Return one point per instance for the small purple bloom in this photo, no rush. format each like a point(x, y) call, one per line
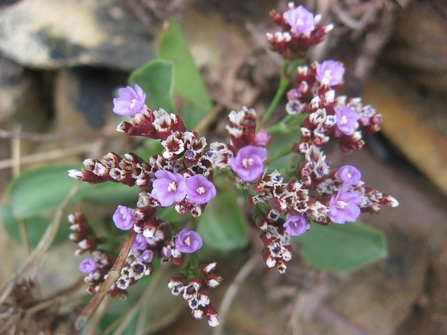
point(346, 119)
point(188, 241)
point(261, 138)
point(168, 187)
point(344, 205)
point(349, 174)
point(87, 265)
point(140, 242)
point(300, 20)
point(147, 256)
point(124, 217)
point(330, 72)
point(248, 163)
point(130, 101)
point(295, 225)
point(293, 94)
point(200, 190)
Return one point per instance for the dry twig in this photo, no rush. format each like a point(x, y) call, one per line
point(112, 277)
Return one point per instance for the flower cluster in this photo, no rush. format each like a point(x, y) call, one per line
point(182, 175)
point(195, 291)
point(330, 116)
point(300, 30)
point(314, 193)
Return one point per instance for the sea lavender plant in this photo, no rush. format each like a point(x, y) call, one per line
point(183, 175)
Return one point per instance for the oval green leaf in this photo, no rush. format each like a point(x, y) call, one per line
point(41, 189)
point(343, 247)
point(222, 225)
point(156, 78)
point(188, 82)
point(35, 227)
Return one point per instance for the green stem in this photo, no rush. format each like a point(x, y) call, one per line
point(286, 75)
point(284, 82)
point(284, 152)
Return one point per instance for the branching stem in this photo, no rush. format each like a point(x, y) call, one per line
point(112, 277)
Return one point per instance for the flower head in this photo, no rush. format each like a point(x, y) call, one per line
point(130, 101)
point(349, 174)
point(147, 256)
point(200, 190)
point(261, 138)
point(124, 217)
point(248, 163)
point(88, 265)
point(295, 225)
point(188, 241)
point(300, 20)
point(330, 72)
point(168, 187)
point(140, 242)
point(346, 119)
point(344, 205)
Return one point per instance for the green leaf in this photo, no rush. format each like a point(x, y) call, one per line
point(342, 247)
point(35, 227)
point(110, 194)
point(192, 116)
point(41, 189)
point(222, 225)
point(156, 79)
point(281, 147)
point(188, 82)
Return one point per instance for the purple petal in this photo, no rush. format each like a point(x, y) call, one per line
point(188, 241)
point(295, 225)
point(349, 174)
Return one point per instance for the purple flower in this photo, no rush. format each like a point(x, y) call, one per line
point(344, 205)
point(188, 241)
point(140, 242)
point(147, 256)
point(349, 174)
point(168, 187)
point(295, 225)
point(248, 163)
point(130, 101)
point(346, 119)
point(300, 20)
point(124, 217)
point(330, 72)
point(200, 190)
point(261, 138)
point(87, 265)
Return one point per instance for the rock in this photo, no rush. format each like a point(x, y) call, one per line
point(51, 34)
point(21, 97)
point(83, 100)
point(379, 297)
point(419, 44)
point(414, 122)
point(22, 104)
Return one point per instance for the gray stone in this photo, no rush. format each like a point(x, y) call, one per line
point(20, 97)
point(51, 34)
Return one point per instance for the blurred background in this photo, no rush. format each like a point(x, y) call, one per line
point(61, 62)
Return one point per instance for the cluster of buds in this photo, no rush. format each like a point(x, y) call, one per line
point(83, 234)
point(195, 292)
point(300, 30)
point(278, 250)
point(330, 116)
